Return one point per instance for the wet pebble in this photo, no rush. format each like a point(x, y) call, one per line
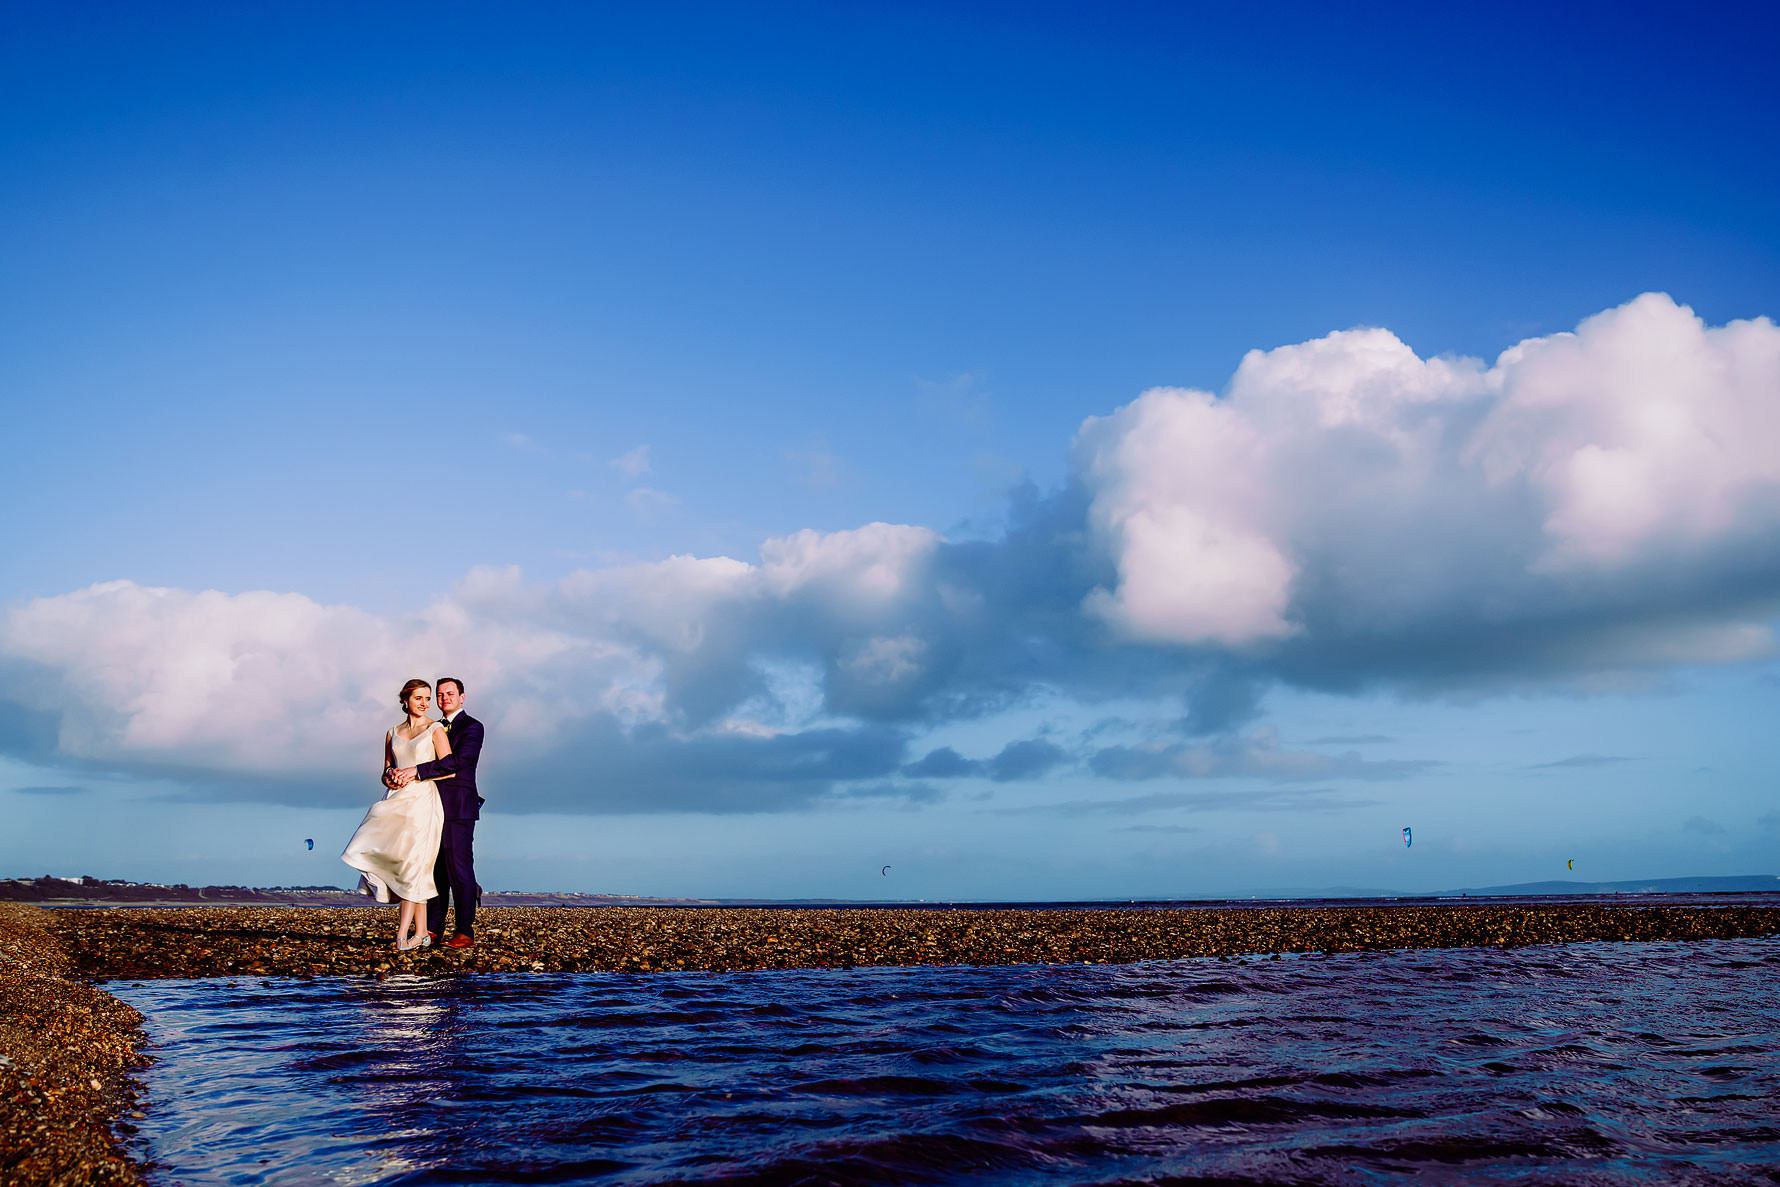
point(66, 1053)
point(315, 942)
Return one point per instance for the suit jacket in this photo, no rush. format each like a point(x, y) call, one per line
point(458, 793)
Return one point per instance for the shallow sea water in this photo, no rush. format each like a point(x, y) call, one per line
point(1593, 1063)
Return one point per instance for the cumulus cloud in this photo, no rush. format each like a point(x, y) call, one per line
point(1596, 500)
point(268, 686)
point(1645, 433)
point(1589, 509)
point(633, 688)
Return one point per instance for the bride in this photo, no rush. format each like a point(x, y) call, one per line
point(395, 847)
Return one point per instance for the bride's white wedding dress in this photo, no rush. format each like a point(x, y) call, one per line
point(395, 847)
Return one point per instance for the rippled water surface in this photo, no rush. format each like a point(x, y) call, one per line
point(1597, 1063)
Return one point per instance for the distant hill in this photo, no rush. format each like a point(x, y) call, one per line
point(1743, 884)
point(65, 892)
point(1740, 884)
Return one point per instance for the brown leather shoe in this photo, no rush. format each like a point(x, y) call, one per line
point(459, 941)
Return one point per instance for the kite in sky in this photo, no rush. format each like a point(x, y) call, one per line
point(309, 841)
point(1408, 840)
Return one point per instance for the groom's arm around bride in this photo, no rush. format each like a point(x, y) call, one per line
point(457, 770)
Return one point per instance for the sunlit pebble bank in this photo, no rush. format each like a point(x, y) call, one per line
point(66, 1051)
point(314, 942)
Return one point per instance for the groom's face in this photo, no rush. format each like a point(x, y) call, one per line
point(451, 698)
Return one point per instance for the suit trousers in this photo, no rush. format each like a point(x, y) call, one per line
point(454, 877)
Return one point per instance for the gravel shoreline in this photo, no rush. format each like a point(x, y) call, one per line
point(67, 1049)
point(314, 942)
point(66, 1054)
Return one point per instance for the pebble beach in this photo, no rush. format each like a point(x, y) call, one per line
point(66, 1053)
point(355, 941)
point(67, 1049)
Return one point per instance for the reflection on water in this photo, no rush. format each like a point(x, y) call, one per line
point(1595, 1063)
point(358, 1069)
point(415, 1029)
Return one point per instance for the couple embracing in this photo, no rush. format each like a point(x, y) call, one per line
point(416, 844)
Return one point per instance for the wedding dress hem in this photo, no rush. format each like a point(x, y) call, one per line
point(397, 844)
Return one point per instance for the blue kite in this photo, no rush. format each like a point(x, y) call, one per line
point(1408, 840)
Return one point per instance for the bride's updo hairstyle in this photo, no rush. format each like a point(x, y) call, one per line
point(408, 688)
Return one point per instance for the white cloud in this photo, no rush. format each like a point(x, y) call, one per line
point(1200, 498)
point(283, 688)
point(202, 678)
point(270, 684)
point(1593, 507)
point(868, 565)
point(667, 603)
point(884, 660)
point(633, 463)
point(1646, 432)
point(1345, 486)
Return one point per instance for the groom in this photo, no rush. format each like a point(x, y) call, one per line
point(455, 871)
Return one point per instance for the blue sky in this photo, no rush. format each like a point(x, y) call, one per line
point(711, 389)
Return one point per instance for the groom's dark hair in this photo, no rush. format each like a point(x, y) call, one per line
point(451, 680)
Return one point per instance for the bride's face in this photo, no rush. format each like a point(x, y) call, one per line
point(419, 701)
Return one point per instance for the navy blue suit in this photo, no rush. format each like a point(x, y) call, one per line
point(454, 874)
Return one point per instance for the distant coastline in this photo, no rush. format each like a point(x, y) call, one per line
point(53, 891)
point(1701, 884)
